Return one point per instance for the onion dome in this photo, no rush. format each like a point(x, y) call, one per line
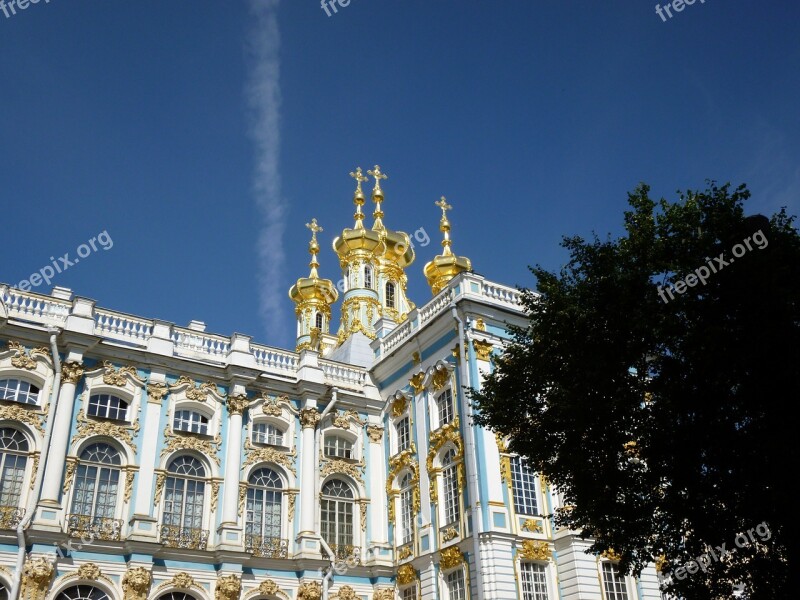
point(358, 238)
point(397, 244)
point(312, 289)
point(446, 265)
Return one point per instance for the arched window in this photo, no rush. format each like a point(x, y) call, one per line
point(184, 493)
point(452, 508)
point(319, 321)
point(97, 482)
point(82, 592)
point(267, 433)
point(190, 421)
point(176, 596)
point(337, 517)
point(3, 592)
point(16, 390)
point(338, 447)
point(444, 404)
point(107, 406)
point(523, 484)
point(368, 277)
point(403, 434)
point(263, 519)
point(406, 508)
point(389, 294)
point(13, 458)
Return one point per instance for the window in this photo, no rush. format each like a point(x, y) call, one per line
point(16, 390)
point(534, 581)
point(409, 593)
point(368, 277)
point(614, 582)
point(445, 405)
point(3, 592)
point(406, 516)
point(455, 585)
point(190, 422)
point(82, 592)
point(523, 484)
point(13, 459)
point(97, 482)
point(177, 596)
point(264, 498)
point(318, 321)
point(452, 508)
point(403, 434)
point(265, 433)
point(184, 493)
point(108, 407)
point(337, 446)
point(389, 294)
point(337, 514)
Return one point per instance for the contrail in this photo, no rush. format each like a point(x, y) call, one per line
point(263, 95)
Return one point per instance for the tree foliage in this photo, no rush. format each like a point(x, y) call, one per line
point(667, 427)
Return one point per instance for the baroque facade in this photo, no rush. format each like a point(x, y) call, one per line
point(141, 460)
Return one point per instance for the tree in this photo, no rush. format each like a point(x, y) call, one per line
point(662, 411)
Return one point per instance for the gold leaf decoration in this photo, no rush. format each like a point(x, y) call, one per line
point(273, 455)
point(399, 407)
point(339, 465)
point(71, 372)
point(399, 462)
point(136, 583)
point(532, 525)
point(416, 382)
point(156, 392)
point(449, 432)
point(309, 417)
point(449, 534)
point(440, 378)
point(375, 433)
point(450, 557)
point(237, 404)
point(269, 588)
point(190, 441)
point(183, 580)
point(214, 495)
point(310, 590)
point(383, 594)
point(535, 550)
point(24, 360)
point(89, 571)
point(69, 473)
point(406, 574)
point(129, 476)
point(346, 593)
point(19, 412)
point(228, 588)
point(483, 349)
point(121, 433)
point(36, 576)
point(117, 377)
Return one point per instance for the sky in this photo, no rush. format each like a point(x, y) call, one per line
point(202, 136)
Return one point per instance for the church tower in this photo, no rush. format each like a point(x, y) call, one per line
point(446, 265)
point(313, 298)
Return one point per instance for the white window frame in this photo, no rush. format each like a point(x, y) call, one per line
point(618, 580)
point(449, 405)
point(192, 412)
point(273, 435)
point(17, 392)
point(340, 445)
point(403, 441)
point(524, 488)
point(530, 588)
point(453, 581)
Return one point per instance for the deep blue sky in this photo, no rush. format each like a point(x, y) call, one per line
point(534, 118)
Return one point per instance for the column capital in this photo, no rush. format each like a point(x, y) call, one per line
point(238, 404)
point(309, 417)
point(375, 433)
point(72, 371)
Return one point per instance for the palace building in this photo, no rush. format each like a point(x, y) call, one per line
point(142, 460)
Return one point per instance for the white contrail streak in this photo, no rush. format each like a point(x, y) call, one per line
point(263, 95)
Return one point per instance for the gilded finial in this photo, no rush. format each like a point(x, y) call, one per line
point(358, 196)
point(313, 247)
point(377, 197)
point(446, 265)
point(444, 225)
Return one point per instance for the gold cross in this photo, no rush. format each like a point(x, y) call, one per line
point(315, 229)
point(359, 177)
point(444, 206)
point(376, 173)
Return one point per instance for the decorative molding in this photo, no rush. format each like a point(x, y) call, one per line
point(416, 382)
point(237, 404)
point(291, 495)
point(399, 462)
point(449, 432)
point(121, 433)
point(272, 405)
point(406, 575)
point(72, 371)
point(269, 588)
point(450, 558)
point(364, 505)
point(399, 407)
point(456, 351)
point(416, 358)
point(128, 490)
point(384, 594)
point(161, 478)
point(346, 593)
point(190, 441)
point(183, 581)
point(214, 495)
point(440, 377)
point(339, 465)
point(69, 473)
point(375, 433)
point(156, 392)
point(449, 534)
point(118, 377)
point(404, 552)
point(23, 359)
point(532, 525)
point(136, 583)
point(36, 576)
point(89, 571)
point(480, 325)
point(20, 412)
point(611, 554)
point(483, 349)
point(255, 455)
point(309, 417)
point(228, 587)
point(343, 419)
point(310, 590)
point(535, 550)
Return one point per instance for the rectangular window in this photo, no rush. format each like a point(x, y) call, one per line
point(106, 406)
point(15, 390)
point(445, 405)
point(409, 593)
point(452, 510)
point(264, 433)
point(406, 517)
point(614, 582)
point(338, 447)
point(534, 581)
point(403, 434)
point(455, 585)
point(523, 483)
point(190, 422)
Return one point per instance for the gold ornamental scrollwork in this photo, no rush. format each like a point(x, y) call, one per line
point(199, 393)
point(183, 581)
point(89, 571)
point(406, 575)
point(269, 588)
point(535, 550)
point(339, 465)
point(449, 534)
point(449, 432)
point(128, 491)
point(440, 378)
point(117, 377)
point(237, 404)
point(344, 418)
point(346, 593)
point(156, 392)
point(272, 404)
point(189, 441)
point(364, 504)
point(383, 594)
point(482, 349)
point(71, 371)
point(36, 576)
point(292, 495)
point(242, 496)
point(375, 433)
point(228, 588)
point(416, 382)
point(399, 462)
point(214, 495)
point(24, 360)
point(310, 590)
point(122, 433)
point(255, 455)
point(136, 583)
point(19, 412)
point(399, 407)
point(450, 558)
point(309, 417)
point(532, 525)
point(161, 478)
point(69, 473)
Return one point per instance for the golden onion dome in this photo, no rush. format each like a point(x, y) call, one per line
point(396, 244)
point(357, 238)
point(312, 287)
point(446, 265)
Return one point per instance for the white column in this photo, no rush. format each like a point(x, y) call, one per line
point(233, 458)
point(71, 373)
point(309, 417)
point(377, 487)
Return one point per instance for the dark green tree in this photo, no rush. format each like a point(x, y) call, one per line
point(667, 424)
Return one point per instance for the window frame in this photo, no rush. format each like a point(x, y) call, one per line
point(192, 411)
point(456, 576)
point(528, 587)
point(200, 483)
point(339, 439)
point(20, 468)
point(441, 398)
point(451, 494)
point(113, 473)
point(269, 425)
point(20, 381)
point(108, 408)
point(336, 503)
point(390, 295)
point(522, 496)
point(617, 578)
point(403, 437)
